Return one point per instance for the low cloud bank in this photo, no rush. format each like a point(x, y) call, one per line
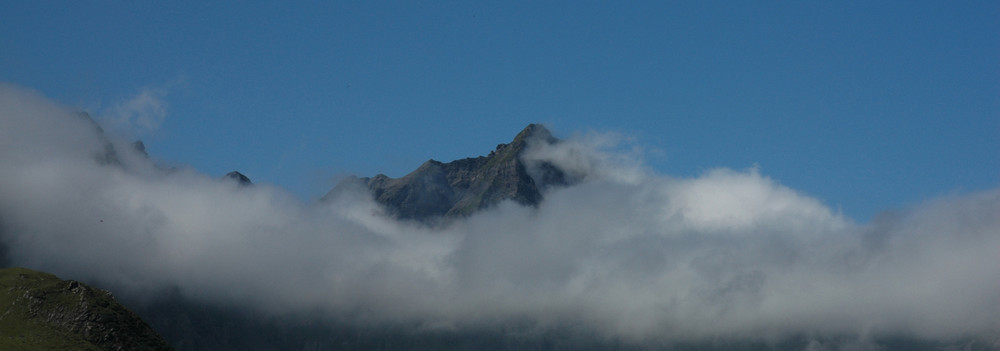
point(627, 252)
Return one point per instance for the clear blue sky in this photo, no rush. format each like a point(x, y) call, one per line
point(867, 106)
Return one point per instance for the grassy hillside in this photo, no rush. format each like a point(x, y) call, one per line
point(39, 311)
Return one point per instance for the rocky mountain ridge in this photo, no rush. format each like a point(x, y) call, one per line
point(461, 187)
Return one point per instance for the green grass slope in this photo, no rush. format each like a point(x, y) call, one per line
point(39, 311)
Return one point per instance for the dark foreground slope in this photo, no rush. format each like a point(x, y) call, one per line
point(192, 326)
point(39, 311)
point(461, 187)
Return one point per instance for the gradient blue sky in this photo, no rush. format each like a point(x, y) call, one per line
point(868, 106)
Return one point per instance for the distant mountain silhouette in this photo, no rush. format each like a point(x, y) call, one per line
point(461, 187)
point(238, 177)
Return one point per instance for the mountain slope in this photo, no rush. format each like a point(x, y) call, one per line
point(42, 312)
point(461, 187)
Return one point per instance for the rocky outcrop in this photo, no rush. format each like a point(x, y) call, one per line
point(110, 155)
point(140, 148)
point(238, 177)
point(40, 311)
point(461, 187)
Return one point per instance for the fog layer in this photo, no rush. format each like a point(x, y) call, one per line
point(626, 252)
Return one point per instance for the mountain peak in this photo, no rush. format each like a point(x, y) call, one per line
point(239, 178)
point(534, 131)
point(461, 187)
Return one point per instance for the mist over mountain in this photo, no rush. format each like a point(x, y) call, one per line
point(461, 187)
point(239, 178)
point(544, 239)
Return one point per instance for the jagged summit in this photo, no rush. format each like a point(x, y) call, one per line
point(140, 147)
point(111, 155)
point(531, 132)
point(461, 187)
point(239, 178)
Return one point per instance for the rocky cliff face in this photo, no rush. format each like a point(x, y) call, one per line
point(39, 311)
point(461, 187)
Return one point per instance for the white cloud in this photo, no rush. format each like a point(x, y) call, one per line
point(140, 114)
point(628, 253)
